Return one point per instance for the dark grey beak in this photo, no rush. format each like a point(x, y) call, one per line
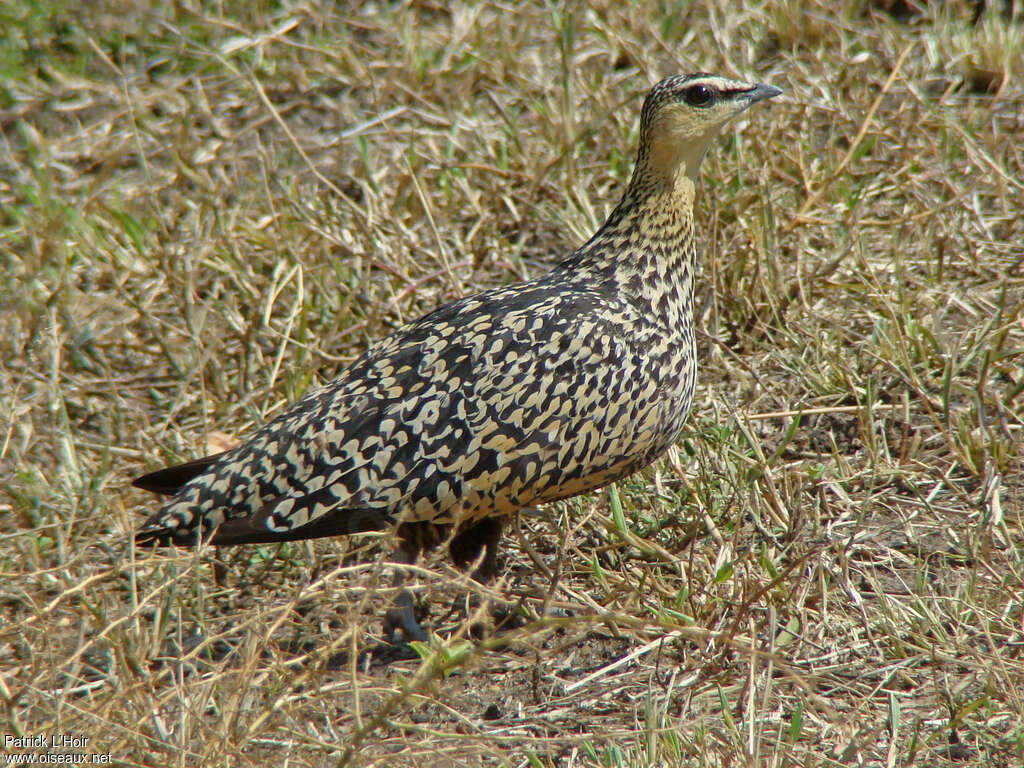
point(761, 91)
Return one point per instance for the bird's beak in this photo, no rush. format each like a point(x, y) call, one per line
point(761, 91)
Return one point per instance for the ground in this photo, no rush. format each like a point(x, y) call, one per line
point(208, 208)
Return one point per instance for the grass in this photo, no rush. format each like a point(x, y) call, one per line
point(205, 209)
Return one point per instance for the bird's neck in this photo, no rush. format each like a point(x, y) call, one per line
point(646, 248)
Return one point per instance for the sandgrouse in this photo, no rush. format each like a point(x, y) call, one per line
point(511, 398)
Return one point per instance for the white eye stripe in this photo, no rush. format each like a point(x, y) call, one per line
point(723, 85)
point(720, 83)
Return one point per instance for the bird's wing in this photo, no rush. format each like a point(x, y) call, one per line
point(548, 403)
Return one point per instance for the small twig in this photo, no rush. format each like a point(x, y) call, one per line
point(805, 412)
point(636, 653)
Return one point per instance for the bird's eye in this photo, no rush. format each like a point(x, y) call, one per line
point(699, 96)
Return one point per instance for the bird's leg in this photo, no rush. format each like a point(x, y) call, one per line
point(467, 543)
point(401, 616)
point(476, 545)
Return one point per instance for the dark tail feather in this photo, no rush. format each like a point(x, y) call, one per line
point(168, 481)
point(340, 523)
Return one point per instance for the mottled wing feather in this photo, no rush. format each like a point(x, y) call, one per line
point(488, 405)
point(521, 423)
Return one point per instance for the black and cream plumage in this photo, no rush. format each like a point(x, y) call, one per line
point(508, 399)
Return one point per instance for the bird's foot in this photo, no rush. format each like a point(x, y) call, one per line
point(402, 619)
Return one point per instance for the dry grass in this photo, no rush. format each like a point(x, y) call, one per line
point(205, 208)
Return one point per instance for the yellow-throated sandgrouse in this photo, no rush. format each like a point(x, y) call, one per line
point(508, 399)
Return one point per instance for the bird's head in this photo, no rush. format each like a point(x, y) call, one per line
point(681, 116)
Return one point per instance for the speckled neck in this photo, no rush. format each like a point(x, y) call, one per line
point(646, 248)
